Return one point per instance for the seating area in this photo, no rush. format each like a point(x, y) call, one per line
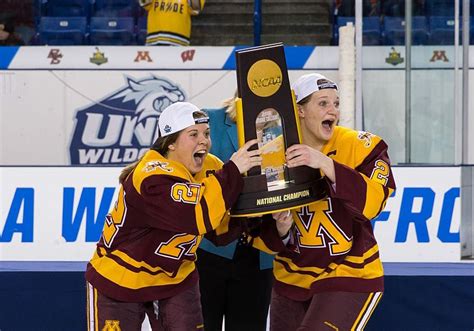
point(435, 30)
point(123, 22)
point(90, 22)
point(432, 23)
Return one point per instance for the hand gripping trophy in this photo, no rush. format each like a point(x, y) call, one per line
point(266, 110)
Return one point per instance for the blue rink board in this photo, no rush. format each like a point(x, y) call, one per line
point(418, 296)
point(391, 268)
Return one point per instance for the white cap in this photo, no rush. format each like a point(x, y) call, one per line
point(307, 84)
point(177, 117)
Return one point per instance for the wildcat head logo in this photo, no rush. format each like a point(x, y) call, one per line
point(122, 126)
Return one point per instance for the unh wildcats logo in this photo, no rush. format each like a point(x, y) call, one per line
point(122, 126)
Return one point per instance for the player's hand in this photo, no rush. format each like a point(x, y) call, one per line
point(300, 154)
point(284, 221)
point(245, 159)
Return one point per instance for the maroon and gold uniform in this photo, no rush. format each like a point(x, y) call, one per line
point(332, 245)
point(148, 244)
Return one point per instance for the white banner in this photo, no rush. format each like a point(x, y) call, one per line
point(120, 57)
point(216, 58)
point(421, 222)
point(53, 214)
point(57, 213)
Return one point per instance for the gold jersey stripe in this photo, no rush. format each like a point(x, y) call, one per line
point(224, 226)
point(214, 197)
point(296, 268)
point(373, 199)
point(200, 218)
point(364, 257)
point(351, 151)
point(96, 309)
point(124, 277)
point(260, 244)
point(106, 262)
point(92, 308)
point(153, 163)
point(353, 259)
point(305, 276)
point(371, 270)
point(363, 310)
point(134, 263)
point(366, 311)
point(216, 204)
point(168, 39)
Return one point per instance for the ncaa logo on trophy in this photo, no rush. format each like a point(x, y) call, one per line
point(266, 110)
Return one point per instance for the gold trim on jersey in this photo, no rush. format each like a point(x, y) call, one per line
point(306, 276)
point(351, 151)
point(200, 218)
point(374, 198)
point(167, 167)
point(218, 206)
point(150, 41)
point(152, 276)
point(155, 164)
point(224, 226)
point(366, 311)
point(260, 244)
point(92, 308)
point(360, 259)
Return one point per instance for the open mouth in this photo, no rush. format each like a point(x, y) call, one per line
point(327, 124)
point(199, 156)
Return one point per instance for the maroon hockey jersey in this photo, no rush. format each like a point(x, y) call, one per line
point(147, 248)
point(332, 247)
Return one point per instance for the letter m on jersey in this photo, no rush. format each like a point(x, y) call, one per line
point(316, 229)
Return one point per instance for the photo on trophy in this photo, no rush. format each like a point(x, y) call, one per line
point(272, 145)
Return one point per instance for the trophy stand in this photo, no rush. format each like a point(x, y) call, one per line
point(266, 111)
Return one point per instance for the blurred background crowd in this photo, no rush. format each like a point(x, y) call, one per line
point(224, 22)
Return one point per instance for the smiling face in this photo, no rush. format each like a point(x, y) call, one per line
point(319, 115)
point(191, 147)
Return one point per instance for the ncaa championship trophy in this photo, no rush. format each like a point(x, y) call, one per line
point(266, 110)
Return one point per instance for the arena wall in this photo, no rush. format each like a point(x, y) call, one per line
point(70, 116)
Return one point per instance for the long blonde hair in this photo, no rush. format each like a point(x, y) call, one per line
point(161, 145)
point(230, 106)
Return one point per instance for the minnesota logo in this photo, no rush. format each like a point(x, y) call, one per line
point(439, 56)
point(143, 56)
point(111, 325)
